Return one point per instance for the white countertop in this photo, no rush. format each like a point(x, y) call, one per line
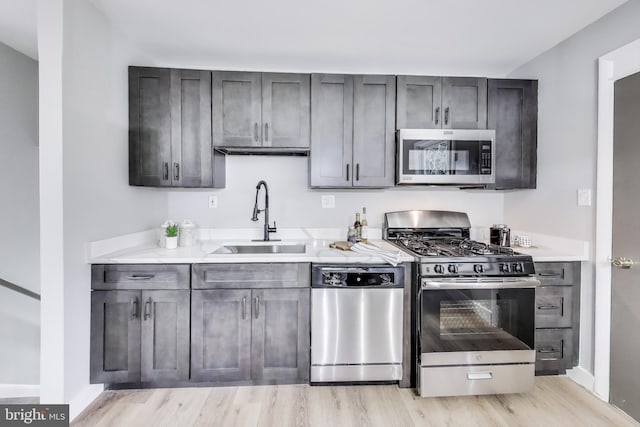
point(142, 248)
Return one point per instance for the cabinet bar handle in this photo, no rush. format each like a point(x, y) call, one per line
point(547, 351)
point(446, 116)
point(134, 308)
point(147, 309)
point(165, 172)
point(437, 115)
point(244, 308)
point(176, 168)
point(255, 131)
point(550, 274)
point(548, 307)
point(266, 131)
point(256, 301)
point(357, 171)
point(347, 171)
point(141, 276)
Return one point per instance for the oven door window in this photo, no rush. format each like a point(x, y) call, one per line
point(477, 320)
point(442, 157)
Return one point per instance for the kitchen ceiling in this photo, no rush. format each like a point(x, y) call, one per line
point(491, 37)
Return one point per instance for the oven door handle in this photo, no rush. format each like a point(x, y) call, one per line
point(434, 285)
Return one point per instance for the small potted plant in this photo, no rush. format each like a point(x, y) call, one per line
point(172, 236)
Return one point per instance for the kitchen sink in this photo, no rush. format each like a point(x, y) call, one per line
point(281, 248)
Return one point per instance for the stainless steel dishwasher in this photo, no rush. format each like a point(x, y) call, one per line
point(356, 323)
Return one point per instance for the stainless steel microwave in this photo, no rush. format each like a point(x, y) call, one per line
point(446, 156)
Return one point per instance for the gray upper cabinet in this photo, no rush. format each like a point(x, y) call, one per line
point(419, 102)
point(428, 102)
point(260, 109)
point(170, 129)
point(352, 131)
point(513, 113)
point(331, 130)
point(374, 131)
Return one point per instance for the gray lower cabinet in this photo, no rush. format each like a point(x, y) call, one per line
point(427, 102)
point(352, 131)
point(251, 323)
point(170, 129)
point(139, 336)
point(557, 317)
point(513, 113)
point(260, 109)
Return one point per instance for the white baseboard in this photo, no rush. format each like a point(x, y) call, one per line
point(19, 390)
point(583, 378)
point(84, 399)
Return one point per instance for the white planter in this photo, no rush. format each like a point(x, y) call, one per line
point(171, 242)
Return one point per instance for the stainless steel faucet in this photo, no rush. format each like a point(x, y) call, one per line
point(256, 211)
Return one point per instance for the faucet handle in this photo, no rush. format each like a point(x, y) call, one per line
point(274, 228)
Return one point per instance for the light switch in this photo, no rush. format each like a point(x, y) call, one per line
point(328, 202)
point(584, 197)
point(213, 202)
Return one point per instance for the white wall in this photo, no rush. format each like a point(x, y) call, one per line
point(567, 131)
point(97, 201)
point(293, 204)
point(19, 214)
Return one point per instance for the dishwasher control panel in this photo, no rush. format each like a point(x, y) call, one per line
point(356, 276)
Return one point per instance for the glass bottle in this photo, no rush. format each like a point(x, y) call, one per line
point(358, 227)
point(364, 226)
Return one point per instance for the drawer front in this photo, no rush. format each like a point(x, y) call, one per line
point(554, 307)
point(254, 275)
point(554, 350)
point(140, 276)
point(558, 273)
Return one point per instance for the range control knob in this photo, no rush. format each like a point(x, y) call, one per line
point(517, 268)
point(478, 268)
point(453, 268)
point(438, 269)
point(504, 268)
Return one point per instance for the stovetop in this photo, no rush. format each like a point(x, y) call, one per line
point(448, 246)
point(441, 244)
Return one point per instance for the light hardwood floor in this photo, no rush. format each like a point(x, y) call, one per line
point(556, 401)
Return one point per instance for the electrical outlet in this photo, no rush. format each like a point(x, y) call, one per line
point(328, 202)
point(213, 202)
point(584, 197)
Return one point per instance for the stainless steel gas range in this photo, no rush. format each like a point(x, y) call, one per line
point(474, 310)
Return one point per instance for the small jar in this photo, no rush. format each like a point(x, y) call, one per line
point(352, 236)
point(187, 233)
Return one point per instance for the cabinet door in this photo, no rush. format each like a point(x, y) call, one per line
point(419, 102)
point(221, 335)
point(149, 127)
point(165, 335)
point(374, 131)
point(280, 334)
point(464, 103)
point(331, 130)
point(286, 109)
point(191, 151)
point(115, 337)
point(513, 113)
point(236, 109)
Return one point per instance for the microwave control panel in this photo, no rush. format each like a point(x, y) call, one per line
point(485, 158)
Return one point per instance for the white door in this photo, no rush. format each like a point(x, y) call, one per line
point(625, 277)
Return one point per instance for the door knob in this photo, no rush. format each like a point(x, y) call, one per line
point(622, 262)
